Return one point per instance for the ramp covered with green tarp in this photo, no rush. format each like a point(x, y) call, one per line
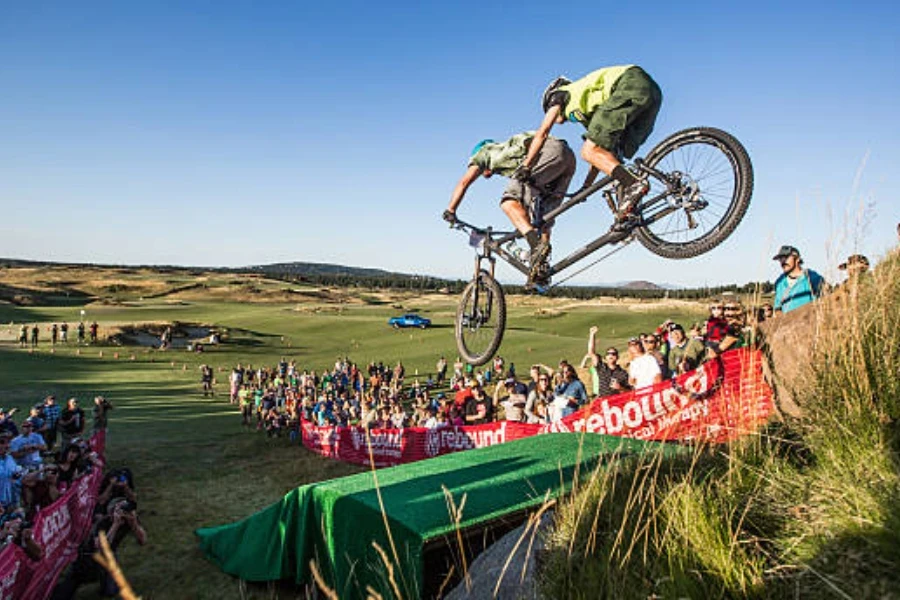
point(336, 522)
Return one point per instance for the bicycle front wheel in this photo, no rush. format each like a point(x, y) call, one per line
point(480, 319)
point(706, 195)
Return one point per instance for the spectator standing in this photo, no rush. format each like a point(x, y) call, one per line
point(54, 334)
point(9, 470)
point(64, 333)
point(206, 380)
point(570, 392)
point(643, 370)
point(796, 286)
point(26, 448)
point(539, 399)
point(94, 329)
point(35, 332)
point(81, 332)
point(7, 425)
point(651, 347)
point(609, 377)
point(236, 379)
point(684, 354)
point(51, 418)
point(100, 412)
point(23, 335)
point(441, 369)
point(36, 416)
point(478, 409)
point(71, 421)
point(856, 266)
point(514, 402)
point(605, 373)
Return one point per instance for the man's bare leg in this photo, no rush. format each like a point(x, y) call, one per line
point(630, 189)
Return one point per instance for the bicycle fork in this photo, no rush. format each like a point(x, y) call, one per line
point(480, 315)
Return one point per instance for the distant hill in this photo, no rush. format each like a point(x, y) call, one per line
point(641, 285)
point(308, 269)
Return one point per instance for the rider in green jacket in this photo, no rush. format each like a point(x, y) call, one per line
point(618, 107)
point(551, 173)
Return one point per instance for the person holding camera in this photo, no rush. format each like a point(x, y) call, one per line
point(101, 409)
point(115, 520)
point(40, 489)
point(16, 530)
point(26, 447)
point(117, 484)
point(71, 421)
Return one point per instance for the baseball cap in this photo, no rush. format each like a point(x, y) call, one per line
point(786, 251)
point(854, 259)
point(510, 381)
point(675, 327)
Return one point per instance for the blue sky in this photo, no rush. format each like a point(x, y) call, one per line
point(238, 133)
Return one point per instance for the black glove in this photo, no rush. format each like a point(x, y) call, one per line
point(522, 173)
point(449, 216)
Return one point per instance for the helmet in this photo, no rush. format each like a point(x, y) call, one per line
point(548, 93)
point(479, 146)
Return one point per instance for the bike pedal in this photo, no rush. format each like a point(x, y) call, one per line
point(535, 288)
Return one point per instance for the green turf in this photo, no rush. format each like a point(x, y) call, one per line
point(194, 464)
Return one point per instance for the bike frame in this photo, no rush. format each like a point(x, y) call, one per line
point(493, 241)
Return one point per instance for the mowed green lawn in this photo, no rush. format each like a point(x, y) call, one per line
point(194, 464)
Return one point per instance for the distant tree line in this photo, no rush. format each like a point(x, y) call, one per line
point(424, 283)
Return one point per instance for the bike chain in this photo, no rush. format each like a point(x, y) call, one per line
point(621, 245)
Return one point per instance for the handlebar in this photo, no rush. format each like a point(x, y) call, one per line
point(469, 227)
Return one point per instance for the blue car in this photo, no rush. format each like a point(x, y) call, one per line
point(411, 320)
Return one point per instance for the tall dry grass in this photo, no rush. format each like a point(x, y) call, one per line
point(810, 508)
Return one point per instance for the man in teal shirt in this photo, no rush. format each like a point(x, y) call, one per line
point(795, 286)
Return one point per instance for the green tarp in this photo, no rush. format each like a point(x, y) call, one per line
point(336, 522)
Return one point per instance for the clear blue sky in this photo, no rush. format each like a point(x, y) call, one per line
point(238, 133)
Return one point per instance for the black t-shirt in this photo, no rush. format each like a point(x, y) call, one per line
point(605, 377)
point(480, 408)
point(77, 425)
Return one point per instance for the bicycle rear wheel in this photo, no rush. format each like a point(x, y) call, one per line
point(480, 319)
point(710, 181)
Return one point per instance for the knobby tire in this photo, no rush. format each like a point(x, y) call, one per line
point(477, 343)
point(722, 225)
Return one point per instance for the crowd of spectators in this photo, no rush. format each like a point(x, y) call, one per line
point(30, 335)
point(276, 399)
point(44, 455)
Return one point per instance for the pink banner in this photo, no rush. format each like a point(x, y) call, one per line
point(59, 529)
point(719, 402)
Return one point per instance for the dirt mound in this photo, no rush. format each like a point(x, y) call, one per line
point(150, 334)
point(790, 339)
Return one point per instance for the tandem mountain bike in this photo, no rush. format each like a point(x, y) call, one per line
point(700, 183)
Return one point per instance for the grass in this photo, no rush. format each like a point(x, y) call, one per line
point(809, 509)
point(194, 464)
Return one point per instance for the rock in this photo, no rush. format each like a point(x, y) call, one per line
point(487, 569)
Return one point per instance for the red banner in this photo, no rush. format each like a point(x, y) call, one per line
point(58, 529)
point(719, 402)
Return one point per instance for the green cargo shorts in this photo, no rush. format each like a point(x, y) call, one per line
point(626, 119)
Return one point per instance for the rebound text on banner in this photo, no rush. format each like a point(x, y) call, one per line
point(719, 402)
